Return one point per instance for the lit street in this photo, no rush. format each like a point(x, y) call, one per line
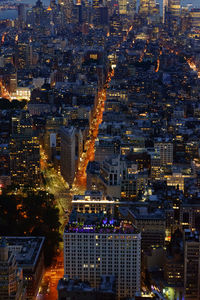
point(59, 188)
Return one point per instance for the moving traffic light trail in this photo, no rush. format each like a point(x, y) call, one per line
point(80, 178)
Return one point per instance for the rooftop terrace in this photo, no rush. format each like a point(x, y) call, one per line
point(104, 227)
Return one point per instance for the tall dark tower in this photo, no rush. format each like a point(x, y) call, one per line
point(21, 14)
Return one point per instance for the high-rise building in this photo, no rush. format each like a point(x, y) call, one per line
point(10, 78)
point(165, 148)
point(104, 248)
point(103, 15)
point(110, 176)
point(165, 6)
point(96, 3)
point(24, 55)
point(24, 152)
point(122, 7)
point(13, 82)
point(191, 265)
point(68, 7)
point(131, 7)
point(68, 159)
point(147, 7)
point(11, 278)
point(21, 14)
point(195, 18)
point(174, 8)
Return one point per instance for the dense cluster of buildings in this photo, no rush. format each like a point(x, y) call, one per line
point(134, 232)
point(21, 267)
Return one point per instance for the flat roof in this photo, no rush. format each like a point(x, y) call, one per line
point(104, 227)
point(26, 249)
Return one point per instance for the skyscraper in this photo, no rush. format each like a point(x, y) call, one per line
point(191, 265)
point(24, 152)
point(147, 7)
point(195, 18)
point(174, 8)
point(127, 7)
point(21, 14)
point(164, 8)
point(165, 148)
point(68, 7)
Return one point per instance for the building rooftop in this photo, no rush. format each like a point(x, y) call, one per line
point(73, 285)
point(26, 249)
point(105, 227)
point(142, 213)
point(93, 196)
point(107, 283)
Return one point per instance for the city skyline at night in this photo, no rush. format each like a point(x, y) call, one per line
point(99, 150)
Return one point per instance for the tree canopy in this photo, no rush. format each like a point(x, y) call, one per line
point(14, 104)
point(31, 214)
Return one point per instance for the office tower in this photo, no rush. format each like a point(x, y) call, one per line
point(165, 148)
point(67, 160)
point(122, 7)
point(24, 152)
point(37, 17)
point(186, 22)
point(95, 3)
point(155, 164)
point(102, 247)
point(174, 8)
point(195, 18)
point(12, 82)
point(77, 14)
point(24, 55)
point(68, 7)
point(38, 10)
point(191, 265)
point(131, 7)
point(165, 6)
point(11, 278)
point(127, 7)
point(21, 14)
point(103, 15)
point(147, 7)
point(10, 78)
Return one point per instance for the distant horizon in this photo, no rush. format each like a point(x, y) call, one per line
point(194, 3)
point(12, 14)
